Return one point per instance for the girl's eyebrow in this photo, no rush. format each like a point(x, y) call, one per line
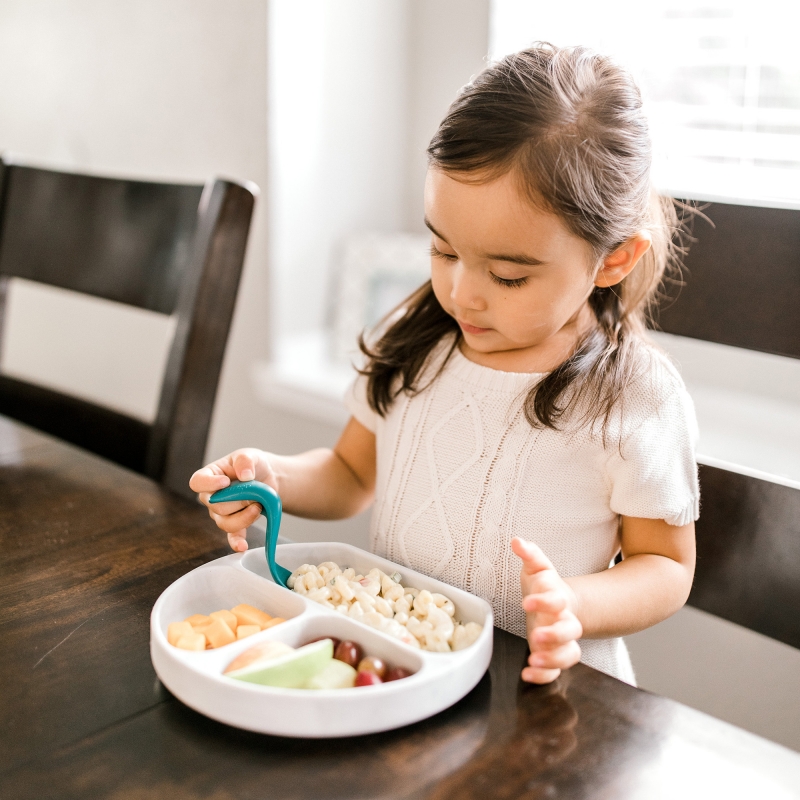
point(522, 260)
point(433, 230)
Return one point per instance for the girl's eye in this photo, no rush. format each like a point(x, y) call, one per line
point(512, 283)
point(437, 253)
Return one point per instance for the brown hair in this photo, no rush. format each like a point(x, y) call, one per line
point(569, 122)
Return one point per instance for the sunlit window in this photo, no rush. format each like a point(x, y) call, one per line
point(721, 82)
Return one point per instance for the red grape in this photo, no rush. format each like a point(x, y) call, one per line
point(367, 679)
point(349, 652)
point(372, 664)
point(396, 674)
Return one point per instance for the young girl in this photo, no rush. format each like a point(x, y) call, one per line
point(513, 409)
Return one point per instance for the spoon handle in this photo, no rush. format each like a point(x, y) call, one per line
point(270, 503)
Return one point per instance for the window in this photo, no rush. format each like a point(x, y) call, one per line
point(720, 80)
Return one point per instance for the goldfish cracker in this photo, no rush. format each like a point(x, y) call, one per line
point(191, 641)
point(243, 631)
point(176, 630)
point(219, 634)
point(248, 615)
point(228, 617)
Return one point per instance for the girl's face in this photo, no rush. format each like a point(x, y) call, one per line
point(513, 276)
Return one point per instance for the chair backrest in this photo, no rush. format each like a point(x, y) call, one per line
point(742, 288)
point(748, 553)
point(742, 277)
point(174, 249)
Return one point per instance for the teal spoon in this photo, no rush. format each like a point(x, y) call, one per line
point(270, 508)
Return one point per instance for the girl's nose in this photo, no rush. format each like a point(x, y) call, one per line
point(465, 290)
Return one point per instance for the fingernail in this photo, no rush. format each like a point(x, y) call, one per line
point(247, 475)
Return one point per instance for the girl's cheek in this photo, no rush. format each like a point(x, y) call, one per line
point(441, 288)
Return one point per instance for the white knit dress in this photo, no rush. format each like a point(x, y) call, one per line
point(460, 472)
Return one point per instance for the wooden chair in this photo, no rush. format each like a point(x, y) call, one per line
point(173, 249)
point(742, 288)
point(742, 285)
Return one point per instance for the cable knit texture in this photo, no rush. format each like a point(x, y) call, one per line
point(460, 472)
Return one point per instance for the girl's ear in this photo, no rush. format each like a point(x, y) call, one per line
point(616, 265)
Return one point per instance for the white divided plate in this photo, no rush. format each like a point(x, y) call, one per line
point(439, 679)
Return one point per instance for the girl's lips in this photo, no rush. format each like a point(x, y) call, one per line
point(472, 328)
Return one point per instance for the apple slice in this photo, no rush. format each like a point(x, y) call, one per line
point(336, 675)
point(290, 671)
point(264, 652)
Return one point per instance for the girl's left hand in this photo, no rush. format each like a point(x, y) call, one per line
point(550, 604)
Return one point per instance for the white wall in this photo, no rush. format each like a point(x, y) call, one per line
point(149, 89)
point(338, 134)
point(357, 89)
point(448, 44)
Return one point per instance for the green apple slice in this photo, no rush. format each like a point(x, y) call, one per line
point(259, 654)
point(335, 675)
point(289, 671)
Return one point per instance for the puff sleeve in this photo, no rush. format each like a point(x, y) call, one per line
point(653, 474)
point(355, 400)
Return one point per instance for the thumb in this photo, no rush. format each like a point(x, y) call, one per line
point(244, 465)
point(533, 559)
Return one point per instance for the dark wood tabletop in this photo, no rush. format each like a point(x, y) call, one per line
point(87, 547)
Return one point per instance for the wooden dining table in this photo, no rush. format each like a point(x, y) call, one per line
point(88, 546)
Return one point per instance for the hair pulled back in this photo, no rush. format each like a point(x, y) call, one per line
point(569, 123)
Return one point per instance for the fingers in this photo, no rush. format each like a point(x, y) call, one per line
point(548, 602)
point(546, 666)
point(237, 541)
point(224, 509)
point(233, 523)
point(209, 479)
point(242, 465)
point(553, 646)
point(536, 675)
point(533, 559)
point(562, 657)
point(566, 629)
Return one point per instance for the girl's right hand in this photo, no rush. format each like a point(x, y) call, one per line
point(243, 465)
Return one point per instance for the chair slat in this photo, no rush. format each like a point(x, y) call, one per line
point(108, 433)
point(123, 240)
point(205, 309)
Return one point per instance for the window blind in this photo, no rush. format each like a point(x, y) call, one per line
point(720, 80)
